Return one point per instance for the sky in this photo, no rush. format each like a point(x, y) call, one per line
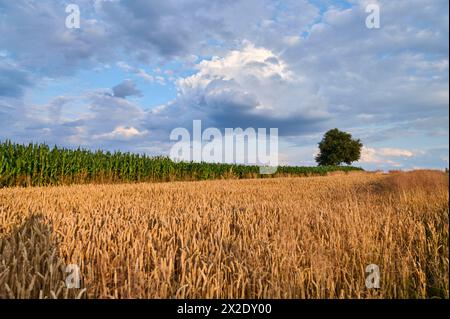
point(134, 70)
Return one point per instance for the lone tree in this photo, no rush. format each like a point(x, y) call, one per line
point(338, 147)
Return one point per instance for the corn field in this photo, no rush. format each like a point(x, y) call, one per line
point(39, 165)
point(254, 238)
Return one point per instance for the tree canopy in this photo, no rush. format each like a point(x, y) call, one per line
point(338, 147)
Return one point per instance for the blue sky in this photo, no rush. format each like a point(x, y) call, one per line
point(137, 69)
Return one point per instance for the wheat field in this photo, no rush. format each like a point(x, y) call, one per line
point(299, 237)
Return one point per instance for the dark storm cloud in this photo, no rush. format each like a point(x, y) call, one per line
point(126, 88)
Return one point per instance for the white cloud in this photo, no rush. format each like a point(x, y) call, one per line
point(239, 65)
point(141, 73)
point(394, 152)
point(250, 86)
point(121, 133)
point(386, 156)
point(291, 40)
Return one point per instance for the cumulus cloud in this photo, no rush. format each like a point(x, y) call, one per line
point(385, 157)
point(34, 33)
point(126, 88)
point(395, 152)
point(121, 133)
point(146, 31)
point(384, 74)
point(249, 87)
point(141, 73)
point(96, 119)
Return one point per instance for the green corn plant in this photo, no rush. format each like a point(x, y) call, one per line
point(37, 164)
